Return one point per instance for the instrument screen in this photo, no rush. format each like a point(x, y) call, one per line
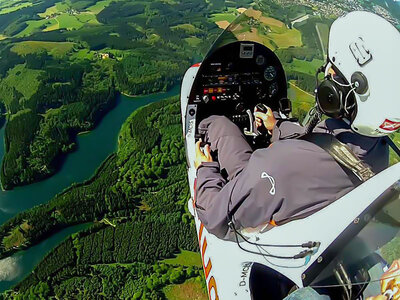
point(235, 78)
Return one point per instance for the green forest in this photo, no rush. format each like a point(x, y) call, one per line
point(138, 202)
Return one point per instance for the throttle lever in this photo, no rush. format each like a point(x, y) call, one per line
point(251, 131)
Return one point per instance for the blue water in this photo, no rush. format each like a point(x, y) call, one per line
point(15, 268)
point(93, 148)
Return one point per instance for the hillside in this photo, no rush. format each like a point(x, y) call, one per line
point(139, 199)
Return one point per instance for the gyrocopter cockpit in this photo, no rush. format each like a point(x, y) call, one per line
point(237, 75)
point(341, 250)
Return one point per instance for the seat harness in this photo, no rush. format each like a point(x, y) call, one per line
point(355, 168)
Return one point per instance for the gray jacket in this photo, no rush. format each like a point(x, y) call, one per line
point(288, 180)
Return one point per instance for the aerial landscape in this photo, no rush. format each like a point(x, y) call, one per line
point(93, 169)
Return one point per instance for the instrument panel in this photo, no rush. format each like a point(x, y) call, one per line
point(235, 78)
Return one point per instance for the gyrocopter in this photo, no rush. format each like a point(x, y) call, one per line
point(340, 250)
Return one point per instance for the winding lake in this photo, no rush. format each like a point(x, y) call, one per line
point(93, 149)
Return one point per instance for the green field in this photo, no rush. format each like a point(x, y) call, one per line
point(189, 290)
point(301, 101)
point(230, 17)
point(15, 8)
point(304, 66)
point(57, 49)
point(69, 22)
point(99, 6)
point(193, 41)
point(289, 38)
point(189, 28)
point(185, 258)
point(323, 30)
point(59, 7)
point(35, 26)
point(23, 80)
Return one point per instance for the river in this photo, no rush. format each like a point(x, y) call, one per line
point(93, 149)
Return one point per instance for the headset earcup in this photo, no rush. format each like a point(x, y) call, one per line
point(329, 99)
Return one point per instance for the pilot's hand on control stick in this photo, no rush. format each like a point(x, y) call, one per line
point(202, 156)
point(391, 280)
point(267, 119)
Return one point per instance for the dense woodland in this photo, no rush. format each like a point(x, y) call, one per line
point(69, 89)
point(142, 193)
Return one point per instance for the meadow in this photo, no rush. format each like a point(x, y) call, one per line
point(57, 49)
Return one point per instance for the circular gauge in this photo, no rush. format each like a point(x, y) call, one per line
point(273, 89)
point(260, 60)
point(269, 73)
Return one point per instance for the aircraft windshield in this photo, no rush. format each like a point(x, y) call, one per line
point(359, 258)
point(250, 26)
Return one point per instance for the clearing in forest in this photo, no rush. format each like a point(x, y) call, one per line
point(185, 258)
point(189, 290)
point(57, 49)
point(23, 80)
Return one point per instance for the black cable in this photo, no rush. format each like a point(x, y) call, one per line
point(302, 254)
point(305, 245)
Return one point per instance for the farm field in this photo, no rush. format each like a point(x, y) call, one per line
point(59, 7)
point(57, 49)
point(301, 100)
point(15, 7)
point(36, 26)
point(304, 66)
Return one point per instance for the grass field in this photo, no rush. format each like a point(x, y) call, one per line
point(303, 66)
point(16, 7)
point(269, 31)
point(23, 80)
point(16, 237)
point(83, 54)
point(189, 28)
point(185, 258)
point(35, 26)
point(59, 7)
point(301, 101)
point(189, 290)
point(193, 41)
point(223, 17)
point(99, 6)
point(323, 30)
point(57, 49)
point(69, 22)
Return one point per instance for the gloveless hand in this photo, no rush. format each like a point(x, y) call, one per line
point(202, 156)
point(267, 119)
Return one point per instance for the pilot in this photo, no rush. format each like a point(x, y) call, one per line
point(293, 177)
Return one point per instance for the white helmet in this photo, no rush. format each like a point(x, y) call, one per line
point(365, 50)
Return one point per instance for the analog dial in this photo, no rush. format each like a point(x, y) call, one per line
point(273, 89)
point(270, 73)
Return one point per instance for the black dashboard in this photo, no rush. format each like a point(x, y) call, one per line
point(235, 78)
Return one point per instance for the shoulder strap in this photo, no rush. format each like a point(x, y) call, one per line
point(355, 168)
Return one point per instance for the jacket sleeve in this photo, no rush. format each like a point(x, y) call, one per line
point(212, 198)
point(286, 130)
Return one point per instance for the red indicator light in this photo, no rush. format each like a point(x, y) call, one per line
point(213, 98)
point(224, 90)
point(205, 91)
